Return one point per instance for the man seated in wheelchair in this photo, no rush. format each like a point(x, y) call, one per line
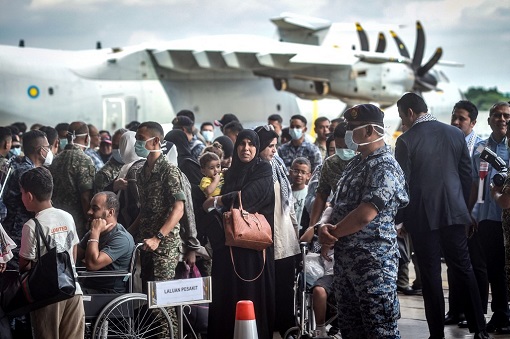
point(319, 275)
point(107, 246)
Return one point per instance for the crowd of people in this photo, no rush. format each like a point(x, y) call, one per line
point(366, 209)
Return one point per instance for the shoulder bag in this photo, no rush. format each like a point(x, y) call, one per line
point(246, 230)
point(50, 280)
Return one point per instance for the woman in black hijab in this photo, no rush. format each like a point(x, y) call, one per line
point(185, 161)
point(253, 177)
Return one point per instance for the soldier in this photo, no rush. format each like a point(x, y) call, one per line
point(362, 230)
point(36, 151)
point(73, 176)
point(162, 205)
point(5, 144)
point(106, 179)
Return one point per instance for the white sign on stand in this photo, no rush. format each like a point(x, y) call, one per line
point(179, 292)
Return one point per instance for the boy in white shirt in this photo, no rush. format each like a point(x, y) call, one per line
point(300, 172)
point(64, 319)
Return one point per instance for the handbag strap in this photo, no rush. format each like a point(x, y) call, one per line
point(258, 275)
point(240, 201)
point(40, 235)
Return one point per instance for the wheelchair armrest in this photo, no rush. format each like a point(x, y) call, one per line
point(103, 274)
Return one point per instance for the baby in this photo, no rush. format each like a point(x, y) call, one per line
point(211, 183)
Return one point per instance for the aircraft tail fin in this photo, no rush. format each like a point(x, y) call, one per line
point(301, 29)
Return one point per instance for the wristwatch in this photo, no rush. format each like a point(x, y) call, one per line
point(160, 236)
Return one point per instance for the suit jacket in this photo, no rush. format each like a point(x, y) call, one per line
point(437, 167)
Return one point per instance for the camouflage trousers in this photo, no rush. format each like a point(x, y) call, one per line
point(366, 293)
point(159, 266)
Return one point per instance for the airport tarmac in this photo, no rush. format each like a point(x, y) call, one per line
point(413, 325)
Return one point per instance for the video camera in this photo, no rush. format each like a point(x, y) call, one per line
point(498, 164)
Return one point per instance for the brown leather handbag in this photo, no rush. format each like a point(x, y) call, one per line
point(246, 230)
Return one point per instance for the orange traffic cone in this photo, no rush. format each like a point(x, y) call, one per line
point(246, 326)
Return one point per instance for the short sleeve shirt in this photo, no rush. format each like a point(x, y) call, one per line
point(59, 229)
point(206, 181)
point(307, 150)
point(331, 172)
point(159, 190)
point(119, 245)
point(379, 180)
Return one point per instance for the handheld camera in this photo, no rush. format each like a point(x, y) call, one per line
point(498, 164)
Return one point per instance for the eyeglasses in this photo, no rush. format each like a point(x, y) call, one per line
point(499, 115)
point(15, 146)
point(298, 172)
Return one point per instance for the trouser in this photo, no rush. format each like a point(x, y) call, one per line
point(366, 293)
point(62, 320)
point(284, 285)
point(453, 240)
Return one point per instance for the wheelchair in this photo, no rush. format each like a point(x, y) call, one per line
point(303, 304)
point(123, 315)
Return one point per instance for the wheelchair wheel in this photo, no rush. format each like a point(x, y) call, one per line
point(128, 316)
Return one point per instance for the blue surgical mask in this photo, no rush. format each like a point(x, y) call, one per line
point(63, 144)
point(296, 133)
point(116, 156)
point(208, 135)
point(345, 154)
point(140, 149)
point(15, 151)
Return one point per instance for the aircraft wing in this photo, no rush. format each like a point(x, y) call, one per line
point(265, 58)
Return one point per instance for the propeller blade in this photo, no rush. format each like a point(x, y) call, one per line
point(435, 58)
point(381, 43)
point(363, 39)
point(419, 47)
point(401, 47)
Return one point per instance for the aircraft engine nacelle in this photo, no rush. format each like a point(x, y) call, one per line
point(312, 90)
point(382, 83)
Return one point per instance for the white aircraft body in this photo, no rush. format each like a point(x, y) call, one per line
point(249, 76)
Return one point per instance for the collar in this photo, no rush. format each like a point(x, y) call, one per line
point(424, 118)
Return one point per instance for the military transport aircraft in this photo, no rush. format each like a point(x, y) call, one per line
point(250, 76)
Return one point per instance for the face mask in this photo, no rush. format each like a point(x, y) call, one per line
point(296, 133)
point(15, 151)
point(140, 149)
point(353, 145)
point(63, 144)
point(49, 158)
point(208, 135)
point(345, 154)
point(116, 156)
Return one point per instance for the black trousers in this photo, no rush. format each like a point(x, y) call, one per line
point(452, 239)
point(284, 286)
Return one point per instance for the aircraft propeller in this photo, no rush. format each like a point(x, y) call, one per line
point(424, 81)
point(363, 39)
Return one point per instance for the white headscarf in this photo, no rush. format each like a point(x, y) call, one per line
point(127, 152)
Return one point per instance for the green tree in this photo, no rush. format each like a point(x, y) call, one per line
point(484, 98)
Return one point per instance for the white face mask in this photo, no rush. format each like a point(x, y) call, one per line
point(81, 135)
point(208, 135)
point(49, 158)
point(351, 144)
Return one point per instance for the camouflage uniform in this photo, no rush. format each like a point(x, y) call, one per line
point(331, 172)
point(17, 214)
point(366, 262)
point(96, 159)
point(103, 181)
point(73, 173)
point(159, 190)
point(322, 149)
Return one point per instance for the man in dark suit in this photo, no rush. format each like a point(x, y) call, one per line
point(437, 168)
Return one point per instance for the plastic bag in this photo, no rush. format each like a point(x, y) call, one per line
point(314, 268)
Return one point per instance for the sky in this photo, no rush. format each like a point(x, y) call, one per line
point(475, 33)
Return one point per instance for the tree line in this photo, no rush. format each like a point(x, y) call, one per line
point(484, 98)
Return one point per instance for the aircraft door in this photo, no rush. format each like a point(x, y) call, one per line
point(118, 111)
